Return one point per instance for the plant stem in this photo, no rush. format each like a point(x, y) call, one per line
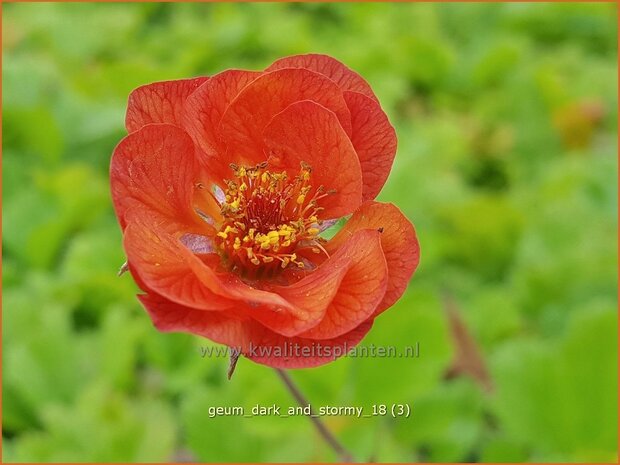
point(343, 454)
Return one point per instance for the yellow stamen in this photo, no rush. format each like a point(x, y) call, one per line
point(266, 214)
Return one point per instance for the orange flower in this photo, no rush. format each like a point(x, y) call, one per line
point(223, 188)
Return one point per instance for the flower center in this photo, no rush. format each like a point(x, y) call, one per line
point(266, 216)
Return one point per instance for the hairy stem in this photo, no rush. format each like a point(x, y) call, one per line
point(331, 440)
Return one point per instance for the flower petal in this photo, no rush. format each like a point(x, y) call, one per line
point(374, 140)
point(398, 241)
point(306, 131)
point(160, 102)
point(276, 351)
point(204, 110)
point(346, 78)
point(360, 291)
point(155, 167)
point(253, 340)
point(168, 267)
point(247, 116)
point(159, 265)
point(219, 327)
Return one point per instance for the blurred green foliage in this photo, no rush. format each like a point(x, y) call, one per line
point(506, 116)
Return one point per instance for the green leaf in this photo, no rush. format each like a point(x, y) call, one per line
point(102, 426)
point(565, 391)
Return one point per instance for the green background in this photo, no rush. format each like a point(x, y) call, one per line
point(506, 116)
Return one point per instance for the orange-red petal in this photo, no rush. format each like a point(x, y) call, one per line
point(374, 140)
point(398, 241)
point(204, 110)
point(338, 296)
point(154, 168)
point(297, 352)
point(247, 116)
point(306, 131)
point(168, 267)
point(220, 327)
point(159, 102)
point(346, 78)
point(361, 288)
point(156, 258)
point(255, 341)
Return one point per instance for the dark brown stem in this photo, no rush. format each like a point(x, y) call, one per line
point(343, 454)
